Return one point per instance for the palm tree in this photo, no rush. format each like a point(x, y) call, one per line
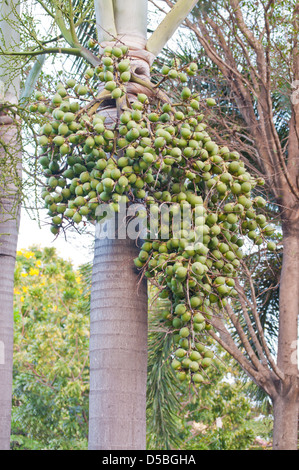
point(9, 216)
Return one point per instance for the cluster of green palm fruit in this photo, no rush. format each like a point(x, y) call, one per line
point(158, 152)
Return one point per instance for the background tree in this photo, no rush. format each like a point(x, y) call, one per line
point(51, 359)
point(254, 46)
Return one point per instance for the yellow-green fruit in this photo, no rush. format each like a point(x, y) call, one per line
point(184, 332)
point(77, 217)
point(197, 378)
point(186, 93)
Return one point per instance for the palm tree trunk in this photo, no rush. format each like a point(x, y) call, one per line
point(118, 349)
point(9, 219)
point(10, 157)
point(119, 304)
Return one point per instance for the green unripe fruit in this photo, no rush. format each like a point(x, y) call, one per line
point(84, 210)
point(54, 166)
point(74, 106)
point(198, 318)
point(52, 182)
point(180, 309)
point(57, 220)
point(210, 102)
point(223, 248)
point(260, 202)
point(42, 108)
point(236, 188)
point(184, 332)
point(71, 83)
point(57, 99)
point(69, 213)
point(82, 90)
point(181, 376)
point(64, 149)
point(221, 188)
point(194, 366)
point(43, 140)
point(175, 364)
point(116, 93)
point(84, 177)
point(195, 301)
point(44, 161)
point(123, 65)
point(206, 362)
point(143, 255)
point(117, 51)
point(142, 97)
point(63, 129)
point(195, 356)
point(186, 317)
point(68, 117)
point(108, 183)
point(172, 73)
point(246, 187)
point(47, 129)
point(197, 269)
point(176, 323)
point(186, 93)
point(160, 142)
point(133, 134)
point(197, 378)
point(261, 219)
point(111, 85)
point(62, 91)
point(271, 246)
point(79, 201)
point(232, 218)
point(153, 117)
point(136, 115)
point(234, 167)
point(54, 230)
point(181, 273)
point(180, 353)
point(77, 217)
point(125, 76)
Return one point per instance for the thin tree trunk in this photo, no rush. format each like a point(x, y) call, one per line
point(118, 349)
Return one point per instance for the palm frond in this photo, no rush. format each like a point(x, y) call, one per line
point(162, 390)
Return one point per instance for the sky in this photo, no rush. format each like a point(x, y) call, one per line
point(76, 248)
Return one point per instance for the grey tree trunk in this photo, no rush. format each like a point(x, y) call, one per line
point(118, 349)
